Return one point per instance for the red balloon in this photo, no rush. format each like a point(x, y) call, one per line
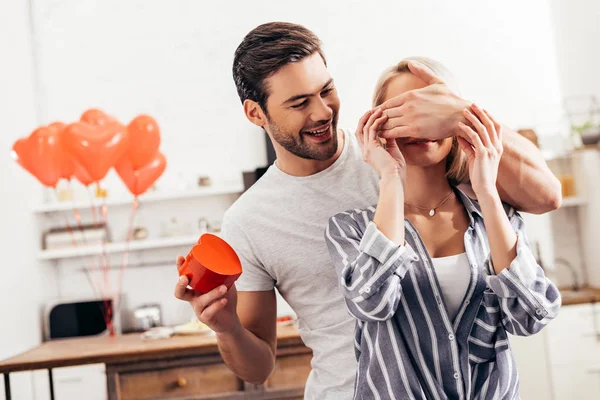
point(140, 179)
point(97, 117)
point(64, 160)
point(95, 148)
point(56, 127)
point(39, 154)
point(144, 140)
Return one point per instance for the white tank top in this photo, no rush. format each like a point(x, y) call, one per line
point(454, 274)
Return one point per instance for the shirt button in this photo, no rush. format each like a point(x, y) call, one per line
point(467, 302)
point(456, 375)
point(368, 289)
point(451, 336)
point(538, 311)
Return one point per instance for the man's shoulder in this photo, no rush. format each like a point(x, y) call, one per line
point(255, 199)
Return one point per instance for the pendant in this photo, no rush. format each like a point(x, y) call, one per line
point(431, 212)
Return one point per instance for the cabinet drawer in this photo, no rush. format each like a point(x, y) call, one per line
point(289, 372)
point(175, 382)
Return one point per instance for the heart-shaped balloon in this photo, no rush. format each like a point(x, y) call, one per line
point(95, 148)
point(65, 162)
point(97, 117)
point(138, 180)
point(144, 140)
point(39, 154)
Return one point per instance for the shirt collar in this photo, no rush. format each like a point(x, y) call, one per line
point(472, 206)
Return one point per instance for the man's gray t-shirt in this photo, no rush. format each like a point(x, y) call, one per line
point(277, 229)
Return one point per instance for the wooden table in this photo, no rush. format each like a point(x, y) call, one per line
point(168, 368)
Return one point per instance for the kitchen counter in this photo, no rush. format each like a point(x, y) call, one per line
point(168, 368)
point(581, 296)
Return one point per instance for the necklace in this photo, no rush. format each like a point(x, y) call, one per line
point(431, 210)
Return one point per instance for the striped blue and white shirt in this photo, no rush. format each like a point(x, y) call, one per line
point(406, 344)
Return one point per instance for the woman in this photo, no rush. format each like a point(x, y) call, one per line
point(434, 278)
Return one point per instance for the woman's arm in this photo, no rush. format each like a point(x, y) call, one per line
point(369, 265)
point(372, 260)
point(527, 298)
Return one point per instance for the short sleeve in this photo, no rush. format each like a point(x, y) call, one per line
point(254, 276)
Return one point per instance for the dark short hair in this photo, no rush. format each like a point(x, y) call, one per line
point(265, 50)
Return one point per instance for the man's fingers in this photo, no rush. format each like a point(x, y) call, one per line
point(203, 301)
point(180, 261)
point(398, 132)
point(181, 290)
point(209, 313)
point(393, 103)
point(424, 73)
point(394, 122)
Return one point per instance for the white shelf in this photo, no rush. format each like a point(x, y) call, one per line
point(151, 197)
point(573, 202)
point(118, 247)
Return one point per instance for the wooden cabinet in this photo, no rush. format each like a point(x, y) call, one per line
point(165, 381)
point(205, 376)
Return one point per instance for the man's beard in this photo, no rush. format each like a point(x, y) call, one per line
point(297, 145)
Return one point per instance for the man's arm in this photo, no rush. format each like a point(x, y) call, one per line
point(247, 337)
point(524, 179)
point(249, 349)
point(433, 112)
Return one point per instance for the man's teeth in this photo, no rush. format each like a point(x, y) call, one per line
point(318, 133)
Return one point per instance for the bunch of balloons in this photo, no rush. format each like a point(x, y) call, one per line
point(87, 149)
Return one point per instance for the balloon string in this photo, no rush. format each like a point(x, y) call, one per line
point(96, 223)
point(93, 266)
point(93, 207)
point(102, 264)
point(105, 265)
point(95, 286)
point(125, 258)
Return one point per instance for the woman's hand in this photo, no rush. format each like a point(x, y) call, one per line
point(385, 158)
point(482, 142)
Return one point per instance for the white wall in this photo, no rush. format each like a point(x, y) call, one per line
point(577, 36)
point(21, 288)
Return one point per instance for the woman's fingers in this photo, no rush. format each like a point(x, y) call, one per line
point(487, 122)
point(374, 130)
point(480, 129)
point(466, 147)
point(473, 138)
point(497, 126)
point(361, 125)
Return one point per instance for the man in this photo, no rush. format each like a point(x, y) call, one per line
point(277, 225)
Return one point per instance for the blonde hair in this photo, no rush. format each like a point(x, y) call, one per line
point(456, 161)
